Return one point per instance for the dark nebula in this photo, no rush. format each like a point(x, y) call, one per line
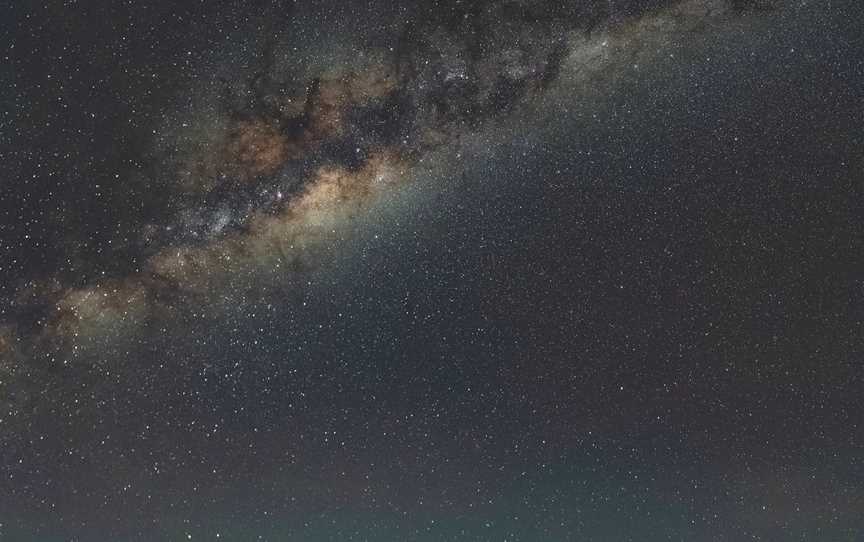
point(426, 271)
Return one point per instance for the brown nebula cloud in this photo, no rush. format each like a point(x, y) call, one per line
point(257, 147)
point(260, 144)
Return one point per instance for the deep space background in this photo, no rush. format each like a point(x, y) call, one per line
point(432, 271)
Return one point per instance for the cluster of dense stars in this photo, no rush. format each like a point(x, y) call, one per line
point(476, 270)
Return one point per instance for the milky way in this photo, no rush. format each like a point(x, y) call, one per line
point(509, 270)
point(291, 157)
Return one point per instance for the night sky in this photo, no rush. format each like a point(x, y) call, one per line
point(513, 271)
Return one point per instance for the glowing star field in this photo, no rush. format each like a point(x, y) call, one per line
point(432, 271)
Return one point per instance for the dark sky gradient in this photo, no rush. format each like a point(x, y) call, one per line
point(469, 271)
